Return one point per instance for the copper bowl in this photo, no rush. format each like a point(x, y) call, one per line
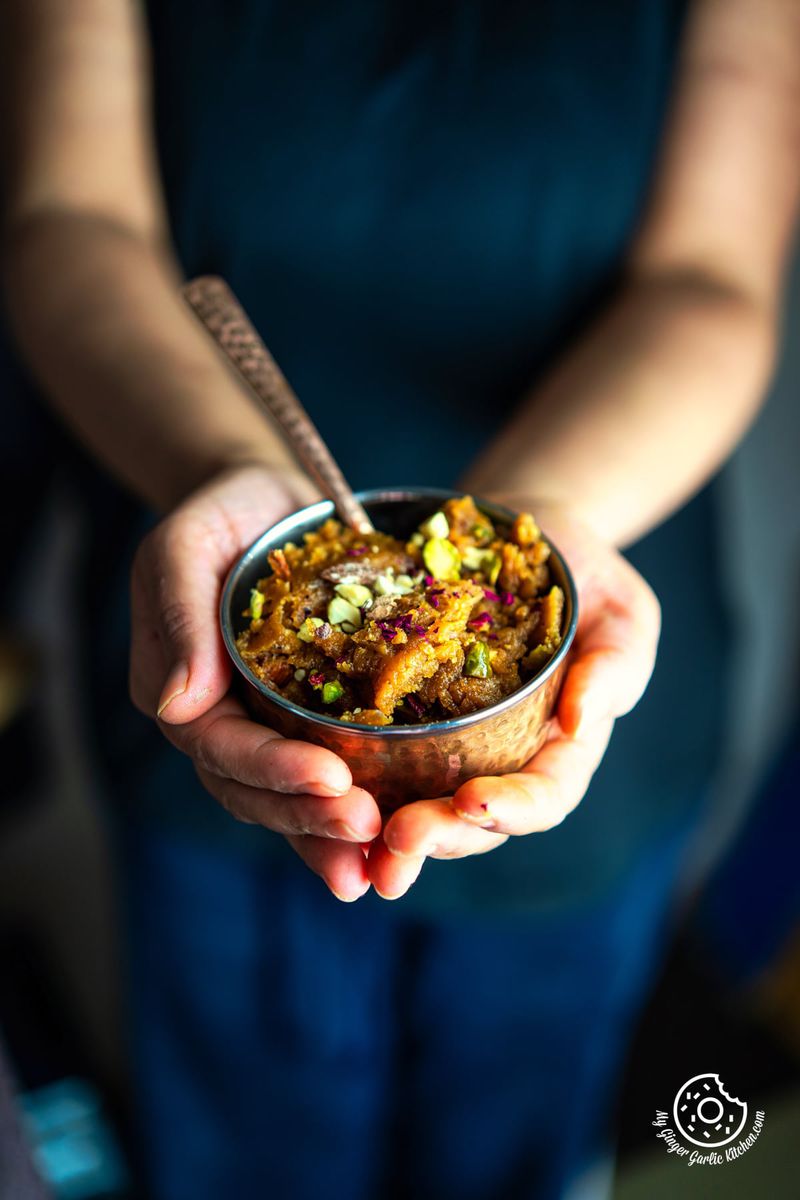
point(405, 762)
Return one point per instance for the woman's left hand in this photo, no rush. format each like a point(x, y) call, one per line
point(611, 663)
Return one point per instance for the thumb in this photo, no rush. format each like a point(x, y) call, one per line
point(179, 665)
point(613, 662)
point(199, 673)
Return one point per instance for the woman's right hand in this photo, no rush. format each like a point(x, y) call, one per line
point(180, 674)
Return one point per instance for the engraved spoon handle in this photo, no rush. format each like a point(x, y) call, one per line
point(223, 316)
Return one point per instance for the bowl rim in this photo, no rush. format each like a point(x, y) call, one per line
point(319, 511)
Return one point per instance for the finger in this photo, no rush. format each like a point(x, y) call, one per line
point(225, 742)
point(432, 829)
point(390, 875)
point(541, 795)
point(340, 864)
point(353, 817)
point(613, 660)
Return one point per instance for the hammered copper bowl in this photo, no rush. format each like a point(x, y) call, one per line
point(405, 762)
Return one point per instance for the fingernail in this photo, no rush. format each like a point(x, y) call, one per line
point(317, 787)
point(420, 854)
point(348, 899)
point(385, 896)
point(341, 830)
point(176, 684)
point(485, 818)
point(402, 853)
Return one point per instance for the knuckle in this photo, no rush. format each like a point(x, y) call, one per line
point(291, 818)
point(177, 620)
point(204, 753)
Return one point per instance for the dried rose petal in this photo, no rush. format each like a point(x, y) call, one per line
point(490, 595)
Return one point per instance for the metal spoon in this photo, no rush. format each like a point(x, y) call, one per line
point(223, 316)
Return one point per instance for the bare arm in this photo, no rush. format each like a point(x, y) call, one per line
point(90, 281)
point(652, 399)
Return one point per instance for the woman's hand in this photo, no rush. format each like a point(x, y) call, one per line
point(181, 674)
point(611, 663)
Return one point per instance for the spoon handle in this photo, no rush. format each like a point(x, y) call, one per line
point(216, 306)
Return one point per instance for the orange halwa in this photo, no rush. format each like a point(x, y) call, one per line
point(375, 631)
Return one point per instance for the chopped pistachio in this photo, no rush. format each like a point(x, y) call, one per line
point(357, 710)
point(387, 585)
point(477, 663)
point(482, 532)
point(257, 599)
point(306, 630)
point(416, 539)
point(340, 610)
point(473, 557)
point(331, 692)
point(300, 674)
point(356, 593)
point(442, 559)
point(436, 526)
point(346, 627)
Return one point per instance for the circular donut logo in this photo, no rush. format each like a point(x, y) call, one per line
point(705, 1114)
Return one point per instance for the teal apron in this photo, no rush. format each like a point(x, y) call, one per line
point(421, 206)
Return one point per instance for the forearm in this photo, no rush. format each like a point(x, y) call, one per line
point(98, 316)
point(644, 408)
